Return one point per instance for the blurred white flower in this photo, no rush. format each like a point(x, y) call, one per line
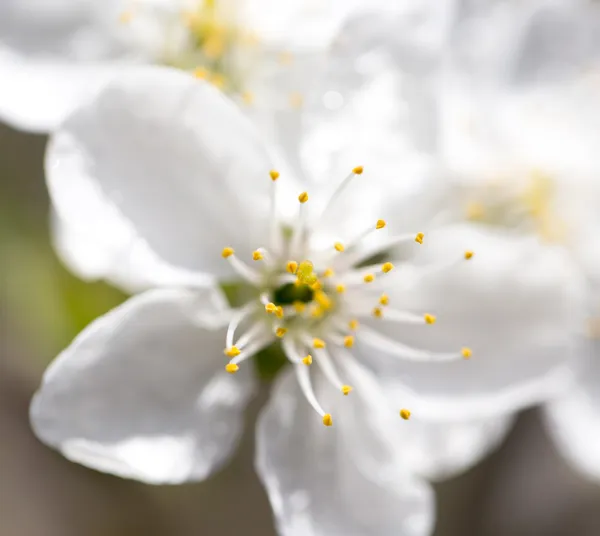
point(170, 164)
point(470, 94)
point(53, 53)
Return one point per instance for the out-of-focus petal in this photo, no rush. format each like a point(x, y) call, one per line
point(142, 392)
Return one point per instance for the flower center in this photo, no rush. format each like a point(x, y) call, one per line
point(313, 307)
point(528, 207)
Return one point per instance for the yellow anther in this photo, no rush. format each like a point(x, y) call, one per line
point(248, 98)
point(327, 420)
point(318, 343)
point(322, 299)
point(466, 353)
point(270, 307)
point(303, 197)
point(430, 319)
point(328, 272)
point(125, 17)
point(232, 351)
point(299, 306)
point(316, 311)
point(405, 414)
point(201, 73)
point(218, 80)
point(387, 267)
point(369, 278)
point(339, 246)
point(307, 360)
point(469, 255)
point(296, 100)
point(316, 285)
point(279, 311)
point(419, 238)
point(280, 332)
point(346, 390)
point(380, 224)
point(358, 170)
point(274, 175)
point(291, 267)
point(353, 325)
point(378, 312)
point(305, 268)
point(227, 252)
point(232, 368)
point(311, 280)
point(475, 211)
point(340, 289)
point(348, 341)
point(384, 299)
point(257, 255)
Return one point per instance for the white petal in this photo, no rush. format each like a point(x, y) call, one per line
point(517, 304)
point(142, 392)
point(125, 260)
point(312, 479)
point(165, 157)
point(574, 419)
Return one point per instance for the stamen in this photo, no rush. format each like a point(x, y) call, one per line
point(242, 269)
point(318, 343)
point(386, 344)
point(238, 316)
point(466, 353)
point(328, 272)
point(384, 299)
point(299, 306)
point(419, 238)
point(340, 289)
point(274, 238)
point(338, 191)
point(369, 278)
point(339, 246)
point(327, 420)
point(348, 341)
point(232, 368)
point(280, 332)
point(387, 267)
point(270, 308)
point(346, 390)
point(257, 255)
point(232, 351)
point(303, 376)
point(378, 312)
point(353, 325)
point(469, 255)
point(380, 224)
point(405, 414)
point(292, 267)
point(430, 319)
point(298, 232)
point(323, 300)
point(307, 360)
point(303, 197)
point(326, 365)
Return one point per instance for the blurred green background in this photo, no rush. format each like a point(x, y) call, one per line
point(523, 489)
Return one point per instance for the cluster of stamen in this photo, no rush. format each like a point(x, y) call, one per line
point(314, 310)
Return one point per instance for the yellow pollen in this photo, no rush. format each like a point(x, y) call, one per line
point(405, 414)
point(430, 319)
point(274, 175)
point(227, 252)
point(353, 325)
point(328, 272)
point(358, 170)
point(340, 289)
point(346, 390)
point(231, 368)
point(466, 353)
point(280, 332)
point(384, 299)
point(316, 285)
point(469, 255)
point(270, 307)
point(378, 312)
point(303, 197)
point(291, 267)
point(387, 267)
point(316, 311)
point(327, 420)
point(279, 311)
point(348, 341)
point(305, 273)
point(296, 100)
point(126, 17)
point(380, 224)
point(323, 300)
point(232, 351)
point(339, 246)
point(201, 73)
point(307, 360)
point(318, 343)
point(369, 278)
point(257, 255)
point(299, 306)
point(419, 238)
point(248, 98)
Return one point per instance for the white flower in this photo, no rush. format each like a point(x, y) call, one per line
point(511, 133)
point(53, 53)
point(145, 391)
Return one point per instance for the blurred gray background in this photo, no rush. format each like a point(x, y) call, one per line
point(524, 489)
